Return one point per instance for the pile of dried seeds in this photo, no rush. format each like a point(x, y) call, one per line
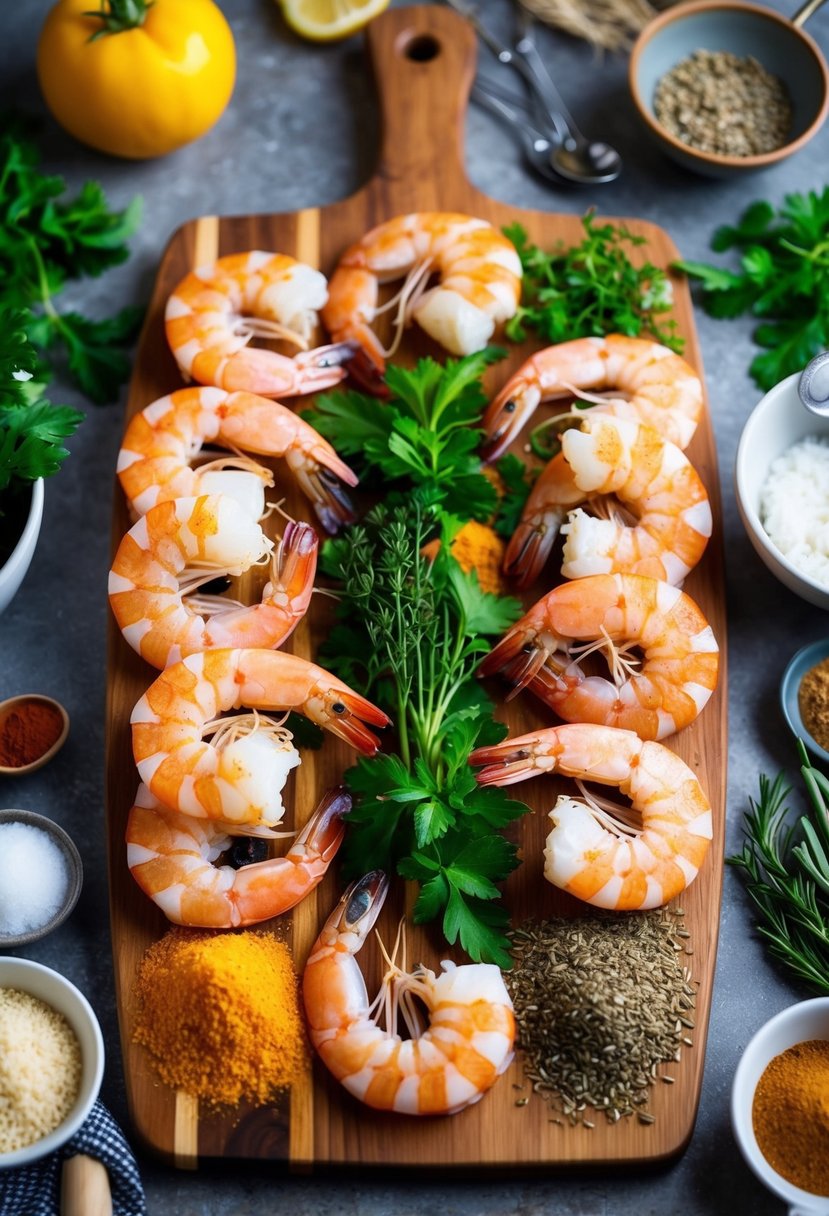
point(600, 1002)
point(718, 102)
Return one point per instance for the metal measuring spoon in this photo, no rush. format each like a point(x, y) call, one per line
point(577, 158)
point(537, 147)
point(813, 385)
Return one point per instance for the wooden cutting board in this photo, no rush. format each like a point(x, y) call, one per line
point(424, 60)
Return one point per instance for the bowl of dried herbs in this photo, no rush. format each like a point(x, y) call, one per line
point(726, 87)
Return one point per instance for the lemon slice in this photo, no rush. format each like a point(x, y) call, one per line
point(327, 20)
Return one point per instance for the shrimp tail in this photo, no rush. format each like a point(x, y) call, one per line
point(294, 565)
point(329, 497)
point(368, 371)
point(359, 907)
point(324, 831)
point(530, 546)
point(518, 658)
point(324, 366)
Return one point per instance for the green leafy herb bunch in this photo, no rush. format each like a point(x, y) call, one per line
point(412, 627)
point(32, 430)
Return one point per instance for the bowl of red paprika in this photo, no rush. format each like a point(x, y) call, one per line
point(779, 1106)
point(33, 728)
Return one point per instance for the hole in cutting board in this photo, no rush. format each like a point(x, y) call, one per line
point(422, 48)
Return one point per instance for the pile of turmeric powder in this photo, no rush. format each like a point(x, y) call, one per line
point(219, 1015)
point(478, 547)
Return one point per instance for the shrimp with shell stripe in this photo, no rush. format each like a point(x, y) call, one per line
point(215, 310)
point(611, 856)
point(173, 858)
point(182, 543)
point(620, 616)
point(661, 388)
point(162, 441)
point(446, 1065)
point(190, 773)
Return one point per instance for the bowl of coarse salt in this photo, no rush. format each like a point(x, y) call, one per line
point(41, 875)
point(53, 1060)
point(781, 479)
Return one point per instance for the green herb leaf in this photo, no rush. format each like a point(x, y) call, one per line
point(590, 289)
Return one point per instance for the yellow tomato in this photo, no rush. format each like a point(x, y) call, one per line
point(140, 80)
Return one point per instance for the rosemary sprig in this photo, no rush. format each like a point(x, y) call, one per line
point(785, 866)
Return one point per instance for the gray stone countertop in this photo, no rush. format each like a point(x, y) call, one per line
point(300, 131)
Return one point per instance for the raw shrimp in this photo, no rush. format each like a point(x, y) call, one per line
point(614, 614)
point(215, 311)
point(464, 1048)
point(187, 772)
point(181, 544)
point(162, 440)
point(479, 285)
point(173, 859)
point(662, 389)
point(612, 856)
point(651, 478)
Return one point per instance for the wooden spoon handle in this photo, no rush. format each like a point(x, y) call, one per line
point(423, 58)
point(84, 1188)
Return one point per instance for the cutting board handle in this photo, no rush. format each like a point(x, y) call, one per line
point(423, 59)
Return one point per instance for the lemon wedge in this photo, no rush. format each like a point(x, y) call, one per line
point(328, 20)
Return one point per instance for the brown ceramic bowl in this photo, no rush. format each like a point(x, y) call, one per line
point(74, 871)
point(777, 43)
point(12, 703)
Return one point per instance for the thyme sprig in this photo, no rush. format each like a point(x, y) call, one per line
point(785, 866)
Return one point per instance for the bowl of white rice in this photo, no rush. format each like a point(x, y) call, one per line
point(51, 1061)
point(782, 484)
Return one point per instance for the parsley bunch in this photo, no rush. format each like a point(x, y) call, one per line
point(783, 278)
point(411, 631)
point(785, 866)
point(31, 429)
point(590, 289)
point(428, 434)
point(46, 240)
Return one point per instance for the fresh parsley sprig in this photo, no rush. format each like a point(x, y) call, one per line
point(31, 429)
point(782, 278)
point(412, 629)
point(46, 240)
point(590, 289)
point(785, 865)
point(427, 433)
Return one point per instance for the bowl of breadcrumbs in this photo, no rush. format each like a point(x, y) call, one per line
point(51, 1061)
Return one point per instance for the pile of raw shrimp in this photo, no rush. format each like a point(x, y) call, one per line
point(212, 782)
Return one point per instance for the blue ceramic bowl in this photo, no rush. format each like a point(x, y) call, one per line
point(798, 665)
point(744, 29)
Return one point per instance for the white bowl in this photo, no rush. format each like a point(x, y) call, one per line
point(14, 570)
point(797, 1024)
point(53, 989)
point(779, 420)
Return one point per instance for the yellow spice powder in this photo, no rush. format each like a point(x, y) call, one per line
point(219, 1014)
point(477, 547)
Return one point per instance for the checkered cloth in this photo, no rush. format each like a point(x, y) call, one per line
point(35, 1189)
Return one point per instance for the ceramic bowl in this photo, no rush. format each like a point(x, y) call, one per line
point(797, 1024)
point(744, 29)
point(11, 703)
point(54, 989)
point(804, 660)
point(74, 872)
point(14, 569)
point(778, 421)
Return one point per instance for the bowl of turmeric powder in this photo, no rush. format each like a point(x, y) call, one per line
point(780, 1106)
point(804, 698)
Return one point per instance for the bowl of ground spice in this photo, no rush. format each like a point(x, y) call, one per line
point(33, 728)
point(726, 87)
point(51, 1061)
point(804, 698)
point(780, 1106)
